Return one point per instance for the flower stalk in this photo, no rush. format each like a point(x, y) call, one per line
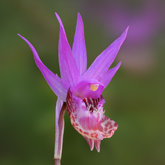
point(57, 161)
point(59, 134)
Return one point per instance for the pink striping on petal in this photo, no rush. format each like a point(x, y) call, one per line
point(68, 67)
point(107, 127)
point(106, 58)
point(79, 47)
point(90, 142)
point(55, 83)
point(107, 77)
point(97, 145)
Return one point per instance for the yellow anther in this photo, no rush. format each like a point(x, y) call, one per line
point(94, 87)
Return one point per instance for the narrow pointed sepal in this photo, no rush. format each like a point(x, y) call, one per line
point(55, 83)
point(68, 67)
point(90, 142)
point(97, 145)
point(107, 76)
point(106, 58)
point(79, 47)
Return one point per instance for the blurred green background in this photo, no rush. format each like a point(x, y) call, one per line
point(134, 98)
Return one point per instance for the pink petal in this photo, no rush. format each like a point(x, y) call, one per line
point(79, 48)
point(88, 122)
point(68, 67)
point(53, 80)
point(107, 77)
point(106, 58)
point(90, 142)
point(88, 89)
point(97, 145)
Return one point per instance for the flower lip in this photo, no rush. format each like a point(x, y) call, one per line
point(88, 118)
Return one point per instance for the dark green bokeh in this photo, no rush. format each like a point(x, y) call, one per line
point(134, 101)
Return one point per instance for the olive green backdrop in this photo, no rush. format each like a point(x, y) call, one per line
point(134, 99)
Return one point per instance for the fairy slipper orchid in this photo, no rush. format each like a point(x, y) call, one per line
point(79, 89)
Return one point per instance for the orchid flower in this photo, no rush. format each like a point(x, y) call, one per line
point(79, 90)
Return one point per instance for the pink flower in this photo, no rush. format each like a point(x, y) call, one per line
point(80, 89)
